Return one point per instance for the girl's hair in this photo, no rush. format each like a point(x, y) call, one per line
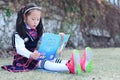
point(20, 24)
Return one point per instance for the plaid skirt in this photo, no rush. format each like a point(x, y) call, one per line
point(21, 64)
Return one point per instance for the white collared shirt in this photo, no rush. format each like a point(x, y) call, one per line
point(20, 47)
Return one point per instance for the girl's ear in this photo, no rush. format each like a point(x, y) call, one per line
point(25, 18)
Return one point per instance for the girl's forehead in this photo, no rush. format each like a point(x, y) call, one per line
point(35, 13)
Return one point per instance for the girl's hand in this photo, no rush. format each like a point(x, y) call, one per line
point(59, 52)
point(62, 35)
point(35, 55)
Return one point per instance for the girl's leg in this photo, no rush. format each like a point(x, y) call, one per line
point(72, 66)
point(48, 65)
point(58, 60)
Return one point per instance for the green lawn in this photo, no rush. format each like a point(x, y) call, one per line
point(106, 66)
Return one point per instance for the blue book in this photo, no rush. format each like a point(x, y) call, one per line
point(50, 44)
point(62, 44)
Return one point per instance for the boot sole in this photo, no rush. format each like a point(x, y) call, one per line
point(77, 66)
point(89, 56)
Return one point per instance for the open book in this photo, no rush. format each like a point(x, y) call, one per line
point(51, 43)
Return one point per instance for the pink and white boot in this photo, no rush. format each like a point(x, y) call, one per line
point(74, 63)
point(86, 61)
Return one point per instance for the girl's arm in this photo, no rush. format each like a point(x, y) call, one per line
point(20, 47)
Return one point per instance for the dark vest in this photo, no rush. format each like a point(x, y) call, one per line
point(30, 42)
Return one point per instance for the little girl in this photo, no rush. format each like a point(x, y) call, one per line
point(29, 30)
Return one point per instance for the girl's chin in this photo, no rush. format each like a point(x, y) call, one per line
point(33, 28)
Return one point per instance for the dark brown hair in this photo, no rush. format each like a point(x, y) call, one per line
point(20, 24)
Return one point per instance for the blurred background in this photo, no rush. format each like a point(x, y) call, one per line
point(94, 23)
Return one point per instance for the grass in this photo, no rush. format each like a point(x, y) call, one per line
point(106, 66)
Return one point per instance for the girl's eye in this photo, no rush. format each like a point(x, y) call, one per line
point(38, 19)
point(33, 19)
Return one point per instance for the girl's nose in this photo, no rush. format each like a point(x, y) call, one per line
point(35, 22)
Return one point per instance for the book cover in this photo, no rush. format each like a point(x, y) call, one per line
point(51, 43)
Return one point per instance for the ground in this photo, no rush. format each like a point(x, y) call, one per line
point(105, 67)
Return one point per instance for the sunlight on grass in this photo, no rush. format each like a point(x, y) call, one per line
point(105, 67)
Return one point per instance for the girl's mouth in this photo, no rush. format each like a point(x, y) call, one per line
point(34, 26)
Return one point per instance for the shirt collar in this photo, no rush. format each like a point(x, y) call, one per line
point(27, 26)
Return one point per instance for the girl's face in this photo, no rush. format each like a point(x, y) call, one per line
point(33, 18)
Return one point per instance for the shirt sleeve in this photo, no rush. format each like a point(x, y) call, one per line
point(20, 47)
